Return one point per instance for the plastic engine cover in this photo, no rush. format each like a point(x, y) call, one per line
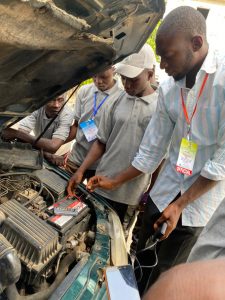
point(35, 241)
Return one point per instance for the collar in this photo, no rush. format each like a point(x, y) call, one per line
point(210, 63)
point(147, 99)
point(109, 91)
point(44, 115)
point(209, 66)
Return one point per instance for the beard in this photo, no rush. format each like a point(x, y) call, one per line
point(187, 66)
point(178, 77)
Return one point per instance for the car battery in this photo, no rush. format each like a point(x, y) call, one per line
point(66, 213)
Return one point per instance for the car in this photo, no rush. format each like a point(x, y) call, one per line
point(53, 246)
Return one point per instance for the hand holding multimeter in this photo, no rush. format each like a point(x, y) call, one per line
point(170, 215)
point(159, 233)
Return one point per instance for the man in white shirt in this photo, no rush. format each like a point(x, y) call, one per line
point(190, 115)
point(56, 134)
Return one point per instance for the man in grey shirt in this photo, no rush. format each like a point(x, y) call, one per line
point(211, 242)
point(121, 130)
point(90, 101)
point(55, 136)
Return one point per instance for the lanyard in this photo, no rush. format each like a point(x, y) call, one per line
point(195, 108)
point(95, 109)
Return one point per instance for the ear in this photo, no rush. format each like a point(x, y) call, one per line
point(150, 74)
point(197, 42)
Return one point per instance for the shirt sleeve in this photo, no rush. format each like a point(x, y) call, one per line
point(214, 168)
point(78, 109)
point(29, 122)
point(155, 142)
point(65, 121)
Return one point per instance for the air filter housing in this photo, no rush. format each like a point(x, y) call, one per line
point(35, 241)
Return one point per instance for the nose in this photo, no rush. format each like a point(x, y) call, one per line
point(163, 64)
point(98, 80)
point(56, 104)
point(127, 83)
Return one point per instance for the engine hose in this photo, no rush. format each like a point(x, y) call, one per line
point(31, 176)
point(12, 292)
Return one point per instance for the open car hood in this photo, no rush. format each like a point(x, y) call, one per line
point(49, 46)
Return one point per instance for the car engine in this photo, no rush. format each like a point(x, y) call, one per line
point(40, 228)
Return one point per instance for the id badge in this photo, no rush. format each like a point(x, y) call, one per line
point(89, 129)
point(186, 158)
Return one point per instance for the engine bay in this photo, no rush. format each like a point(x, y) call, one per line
point(43, 232)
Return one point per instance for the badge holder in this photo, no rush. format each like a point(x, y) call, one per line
point(186, 158)
point(89, 129)
point(188, 148)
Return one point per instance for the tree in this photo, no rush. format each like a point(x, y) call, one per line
point(151, 40)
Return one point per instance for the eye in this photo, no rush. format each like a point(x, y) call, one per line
point(134, 80)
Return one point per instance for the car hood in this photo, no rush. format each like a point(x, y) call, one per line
point(49, 46)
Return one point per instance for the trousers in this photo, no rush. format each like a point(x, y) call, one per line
point(72, 168)
point(171, 251)
point(120, 208)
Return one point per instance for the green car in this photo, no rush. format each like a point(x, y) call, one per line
point(53, 246)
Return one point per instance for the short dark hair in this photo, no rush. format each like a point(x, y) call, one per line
point(183, 19)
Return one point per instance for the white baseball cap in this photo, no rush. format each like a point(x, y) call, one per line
point(133, 65)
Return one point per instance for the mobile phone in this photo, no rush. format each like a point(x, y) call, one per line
point(121, 283)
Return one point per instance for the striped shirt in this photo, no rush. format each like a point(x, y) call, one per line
point(168, 126)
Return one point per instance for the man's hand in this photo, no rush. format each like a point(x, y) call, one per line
point(172, 213)
point(102, 182)
point(55, 159)
point(73, 182)
point(9, 134)
point(170, 216)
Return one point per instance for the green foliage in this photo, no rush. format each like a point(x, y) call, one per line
point(151, 40)
point(90, 80)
